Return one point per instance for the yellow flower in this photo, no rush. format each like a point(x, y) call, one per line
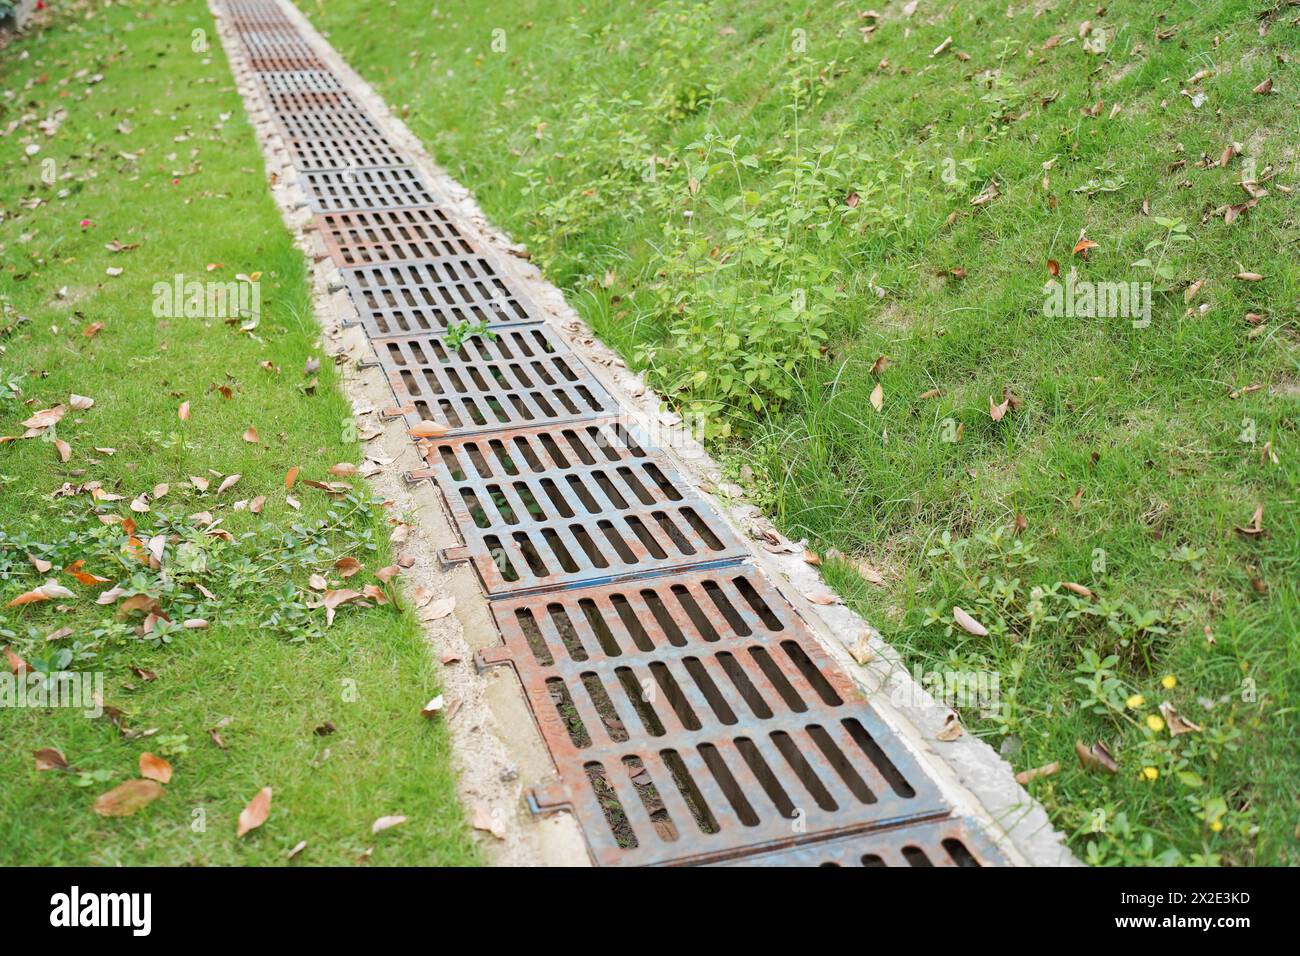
point(1134, 702)
point(1150, 773)
point(1157, 724)
point(1169, 682)
point(1216, 826)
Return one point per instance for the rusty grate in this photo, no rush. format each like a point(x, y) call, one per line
point(300, 81)
point(279, 63)
point(693, 718)
point(328, 102)
point(936, 843)
point(514, 378)
point(571, 504)
point(382, 187)
point(353, 153)
point(408, 298)
point(357, 237)
point(328, 126)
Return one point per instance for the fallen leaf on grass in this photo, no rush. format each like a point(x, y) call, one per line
point(50, 758)
point(861, 649)
point(1078, 589)
point(255, 814)
point(968, 623)
point(343, 469)
point(228, 482)
point(877, 397)
point(346, 567)
point(387, 574)
point(1083, 245)
point(46, 417)
point(250, 435)
point(1256, 526)
point(823, 598)
point(1176, 722)
point(432, 709)
point(387, 823)
point(996, 412)
point(1046, 770)
point(128, 798)
point(80, 402)
point(48, 591)
point(1264, 88)
point(1096, 757)
point(40, 564)
point(1248, 277)
point(200, 483)
point(336, 599)
point(298, 848)
point(183, 413)
point(153, 767)
point(290, 477)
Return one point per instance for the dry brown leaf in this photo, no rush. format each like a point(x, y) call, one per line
point(433, 708)
point(184, 412)
point(384, 575)
point(484, 819)
point(822, 597)
point(387, 823)
point(1256, 526)
point(256, 505)
point(1264, 88)
point(40, 564)
point(80, 402)
point(996, 412)
point(255, 814)
point(877, 397)
point(1176, 722)
point(1083, 245)
point(343, 469)
point(128, 798)
point(153, 767)
point(439, 609)
point(250, 435)
point(428, 429)
point(951, 729)
point(50, 758)
point(290, 477)
point(48, 591)
point(1078, 589)
point(1046, 770)
point(346, 567)
point(228, 482)
point(46, 417)
point(1096, 757)
point(861, 649)
point(968, 623)
point(298, 848)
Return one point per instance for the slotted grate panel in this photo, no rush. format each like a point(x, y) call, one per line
point(518, 377)
point(392, 235)
point(328, 126)
point(693, 718)
point(384, 187)
point(301, 81)
point(310, 155)
point(329, 102)
point(937, 843)
point(409, 298)
point(279, 63)
point(572, 504)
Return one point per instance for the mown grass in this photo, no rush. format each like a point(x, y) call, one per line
point(814, 206)
point(155, 150)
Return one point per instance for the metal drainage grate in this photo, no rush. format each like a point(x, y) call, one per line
point(328, 126)
point(351, 153)
point(573, 504)
point(428, 297)
point(331, 190)
point(938, 843)
point(515, 378)
point(301, 81)
point(279, 64)
point(329, 102)
point(355, 237)
point(693, 718)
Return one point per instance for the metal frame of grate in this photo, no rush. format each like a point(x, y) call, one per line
point(694, 718)
point(375, 187)
point(936, 843)
point(316, 126)
point(570, 504)
point(300, 81)
point(518, 377)
point(412, 298)
point(364, 237)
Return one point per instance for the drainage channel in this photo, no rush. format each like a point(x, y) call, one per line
point(692, 716)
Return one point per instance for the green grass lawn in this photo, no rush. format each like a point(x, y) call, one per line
point(755, 201)
point(152, 151)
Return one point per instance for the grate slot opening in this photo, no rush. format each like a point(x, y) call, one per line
point(637, 694)
point(803, 770)
point(884, 766)
point(958, 853)
point(915, 856)
point(727, 784)
point(611, 806)
point(568, 713)
point(766, 778)
point(533, 634)
point(604, 707)
point(841, 764)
